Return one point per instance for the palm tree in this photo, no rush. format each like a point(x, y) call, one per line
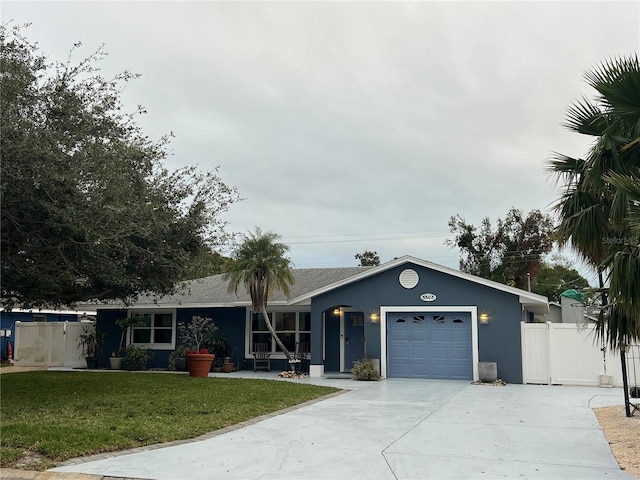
point(624, 264)
point(260, 264)
point(594, 209)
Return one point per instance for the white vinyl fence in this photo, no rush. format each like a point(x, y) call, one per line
point(559, 354)
point(48, 344)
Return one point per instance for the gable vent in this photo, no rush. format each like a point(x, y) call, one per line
point(409, 278)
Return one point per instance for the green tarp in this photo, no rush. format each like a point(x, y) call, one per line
point(571, 293)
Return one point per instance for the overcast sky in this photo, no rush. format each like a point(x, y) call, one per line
point(352, 126)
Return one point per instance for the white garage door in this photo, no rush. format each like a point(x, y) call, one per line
point(430, 345)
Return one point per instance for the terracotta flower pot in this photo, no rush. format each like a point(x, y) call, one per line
point(199, 364)
point(228, 367)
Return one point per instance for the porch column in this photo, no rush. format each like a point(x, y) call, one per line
point(316, 367)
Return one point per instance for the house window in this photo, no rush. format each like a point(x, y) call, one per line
point(291, 328)
point(357, 320)
point(156, 330)
point(39, 318)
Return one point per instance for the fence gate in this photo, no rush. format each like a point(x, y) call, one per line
point(48, 344)
point(559, 354)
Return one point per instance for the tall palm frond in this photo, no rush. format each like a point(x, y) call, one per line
point(260, 264)
point(594, 208)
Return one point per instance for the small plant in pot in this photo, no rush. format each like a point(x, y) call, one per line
point(117, 358)
point(193, 337)
point(217, 344)
point(178, 360)
point(90, 341)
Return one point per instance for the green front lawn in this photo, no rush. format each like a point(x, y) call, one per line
point(61, 415)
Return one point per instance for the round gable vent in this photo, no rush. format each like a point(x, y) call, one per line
point(409, 278)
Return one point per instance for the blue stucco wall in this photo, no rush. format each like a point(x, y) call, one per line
point(499, 341)
point(230, 322)
point(106, 323)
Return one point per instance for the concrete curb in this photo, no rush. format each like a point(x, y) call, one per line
point(14, 474)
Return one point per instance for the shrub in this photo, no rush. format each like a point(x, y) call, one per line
point(365, 370)
point(137, 358)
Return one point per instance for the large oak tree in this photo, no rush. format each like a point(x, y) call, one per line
point(89, 211)
point(508, 252)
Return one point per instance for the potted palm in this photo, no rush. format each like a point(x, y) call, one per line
point(90, 341)
point(218, 345)
point(118, 357)
point(199, 359)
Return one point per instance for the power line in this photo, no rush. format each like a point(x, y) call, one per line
point(364, 237)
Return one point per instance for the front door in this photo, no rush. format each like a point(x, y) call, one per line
point(353, 338)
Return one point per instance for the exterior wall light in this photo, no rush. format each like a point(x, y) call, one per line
point(484, 318)
point(375, 318)
point(336, 312)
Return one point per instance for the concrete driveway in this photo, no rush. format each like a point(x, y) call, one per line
point(399, 429)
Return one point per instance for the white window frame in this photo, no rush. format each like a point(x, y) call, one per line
point(154, 346)
point(274, 354)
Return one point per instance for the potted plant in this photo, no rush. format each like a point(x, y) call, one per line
point(118, 357)
point(228, 365)
point(177, 359)
point(193, 337)
point(217, 365)
point(217, 344)
point(90, 341)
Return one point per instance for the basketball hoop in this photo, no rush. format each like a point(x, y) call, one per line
point(577, 310)
point(572, 303)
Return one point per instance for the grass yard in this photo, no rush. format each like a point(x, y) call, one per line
point(61, 415)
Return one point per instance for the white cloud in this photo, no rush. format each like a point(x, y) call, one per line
point(355, 118)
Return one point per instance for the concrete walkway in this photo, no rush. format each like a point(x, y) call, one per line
point(398, 429)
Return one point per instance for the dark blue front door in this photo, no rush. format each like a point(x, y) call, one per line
point(353, 338)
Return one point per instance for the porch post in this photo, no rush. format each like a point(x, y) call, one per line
point(316, 367)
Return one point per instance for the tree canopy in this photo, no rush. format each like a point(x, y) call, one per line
point(89, 210)
point(555, 277)
point(368, 258)
point(507, 252)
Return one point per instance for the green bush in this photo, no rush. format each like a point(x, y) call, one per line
point(137, 358)
point(365, 370)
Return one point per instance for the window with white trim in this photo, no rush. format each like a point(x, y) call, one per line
point(291, 327)
point(156, 330)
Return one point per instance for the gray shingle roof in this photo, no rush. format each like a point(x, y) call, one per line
point(213, 290)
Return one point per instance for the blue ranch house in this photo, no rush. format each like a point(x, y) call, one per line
point(416, 318)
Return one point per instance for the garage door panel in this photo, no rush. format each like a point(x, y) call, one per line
point(438, 352)
point(399, 335)
point(459, 372)
point(401, 352)
point(439, 371)
point(400, 369)
point(458, 335)
point(440, 335)
point(459, 353)
point(418, 352)
point(432, 345)
point(418, 335)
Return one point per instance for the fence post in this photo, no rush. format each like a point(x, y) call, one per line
point(549, 356)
